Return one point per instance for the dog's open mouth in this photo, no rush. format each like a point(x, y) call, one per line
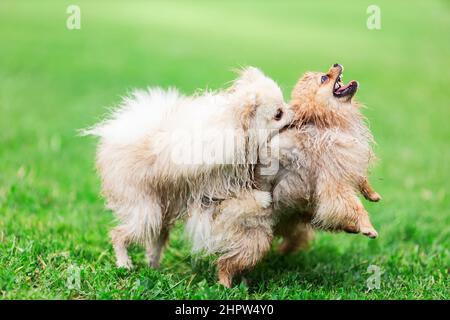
point(340, 90)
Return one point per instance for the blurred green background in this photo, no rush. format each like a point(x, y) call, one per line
point(53, 81)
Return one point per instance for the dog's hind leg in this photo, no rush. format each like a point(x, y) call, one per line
point(365, 226)
point(155, 247)
point(296, 233)
point(251, 248)
point(121, 239)
point(339, 208)
point(154, 230)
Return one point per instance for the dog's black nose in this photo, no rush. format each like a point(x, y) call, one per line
point(336, 65)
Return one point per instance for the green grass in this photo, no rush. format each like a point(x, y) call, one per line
point(54, 81)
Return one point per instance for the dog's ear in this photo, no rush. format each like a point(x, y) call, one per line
point(247, 76)
point(250, 74)
point(304, 86)
point(249, 110)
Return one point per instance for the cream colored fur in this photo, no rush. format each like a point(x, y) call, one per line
point(148, 152)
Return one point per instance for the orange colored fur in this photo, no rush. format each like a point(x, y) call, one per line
point(324, 156)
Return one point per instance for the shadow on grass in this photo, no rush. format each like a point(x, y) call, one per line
point(322, 266)
point(325, 265)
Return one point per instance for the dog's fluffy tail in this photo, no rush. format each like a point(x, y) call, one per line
point(136, 113)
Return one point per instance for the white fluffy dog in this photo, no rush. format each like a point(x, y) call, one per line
point(161, 152)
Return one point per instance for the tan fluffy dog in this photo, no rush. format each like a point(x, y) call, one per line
point(324, 156)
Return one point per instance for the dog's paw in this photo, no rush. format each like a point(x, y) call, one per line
point(126, 264)
point(366, 228)
point(263, 198)
point(374, 197)
point(369, 232)
point(154, 264)
point(225, 279)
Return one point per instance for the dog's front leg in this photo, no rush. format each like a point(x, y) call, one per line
point(368, 192)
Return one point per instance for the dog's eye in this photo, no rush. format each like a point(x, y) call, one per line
point(278, 115)
point(323, 79)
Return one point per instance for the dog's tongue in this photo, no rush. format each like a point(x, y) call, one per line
point(345, 87)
